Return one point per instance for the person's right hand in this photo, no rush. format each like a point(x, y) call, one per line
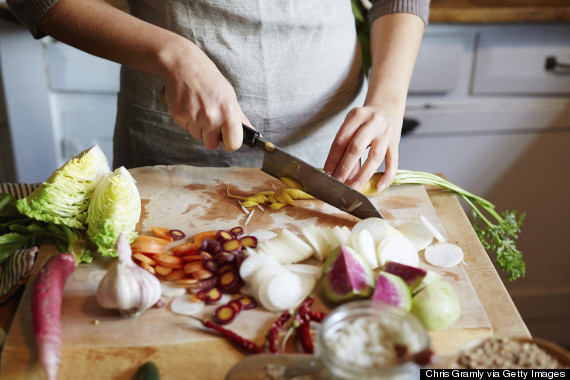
point(201, 100)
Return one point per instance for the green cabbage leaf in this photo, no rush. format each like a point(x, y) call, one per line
point(114, 208)
point(63, 198)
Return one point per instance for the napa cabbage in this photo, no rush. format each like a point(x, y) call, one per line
point(63, 199)
point(114, 208)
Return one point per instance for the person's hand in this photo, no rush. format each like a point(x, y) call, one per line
point(201, 100)
point(376, 127)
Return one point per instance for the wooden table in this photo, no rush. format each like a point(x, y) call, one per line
point(202, 347)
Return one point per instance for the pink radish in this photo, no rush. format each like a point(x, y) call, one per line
point(46, 308)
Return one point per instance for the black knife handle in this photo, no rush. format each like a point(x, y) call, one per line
point(249, 135)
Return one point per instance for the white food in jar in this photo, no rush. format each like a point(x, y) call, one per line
point(372, 343)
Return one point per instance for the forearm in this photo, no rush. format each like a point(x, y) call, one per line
point(100, 29)
point(395, 41)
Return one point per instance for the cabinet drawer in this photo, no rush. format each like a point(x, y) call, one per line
point(438, 65)
point(514, 64)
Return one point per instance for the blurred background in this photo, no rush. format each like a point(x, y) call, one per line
point(489, 107)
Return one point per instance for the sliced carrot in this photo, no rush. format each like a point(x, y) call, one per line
point(193, 266)
point(192, 258)
point(290, 182)
point(168, 259)
point(148, 268)
point(147, 238)
point(162, 233)
point(202, 274)
point(176, 274)
point(148, 244)
point(144, 258)
point(187, 281)
point(186, 249)
point(147, 248)
point(162, 270)
point(201, 236)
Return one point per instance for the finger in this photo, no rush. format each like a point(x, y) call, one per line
point(390, 172)
point(342, 140)
point(212, 137)
point(374, 160)
point(232, 133)
point(194, 129)
point(355, 170)
point(353, 152)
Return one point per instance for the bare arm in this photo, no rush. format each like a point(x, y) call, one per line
point(395, 42)
point(200, 99)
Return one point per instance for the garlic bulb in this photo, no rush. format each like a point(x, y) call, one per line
point(126, 286)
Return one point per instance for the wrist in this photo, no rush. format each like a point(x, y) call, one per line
point(173, 55)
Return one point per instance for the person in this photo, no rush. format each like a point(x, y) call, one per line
point(292, 69)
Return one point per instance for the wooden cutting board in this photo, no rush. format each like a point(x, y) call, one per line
point(99, 344)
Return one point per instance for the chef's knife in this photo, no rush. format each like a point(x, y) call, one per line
point(278, 163)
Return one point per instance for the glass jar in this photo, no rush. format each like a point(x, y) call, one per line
point(364, 340)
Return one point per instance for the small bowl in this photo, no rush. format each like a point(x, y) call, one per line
point(561, 355)
point(364, 319)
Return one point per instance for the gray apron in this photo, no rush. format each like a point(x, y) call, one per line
point(295, 66)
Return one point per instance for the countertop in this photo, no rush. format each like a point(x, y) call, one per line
point(501, 11)
point(465, 11)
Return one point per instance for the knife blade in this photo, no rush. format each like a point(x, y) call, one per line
point(278, 163)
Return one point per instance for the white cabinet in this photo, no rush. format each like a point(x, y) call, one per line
point(58, 99)
point(501, 129)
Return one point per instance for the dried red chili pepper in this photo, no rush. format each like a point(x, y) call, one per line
point(304, 333)
point(239, 341)
point(317, 316)
point(275, 329)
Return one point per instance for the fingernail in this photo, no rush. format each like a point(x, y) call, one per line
point(355, 185)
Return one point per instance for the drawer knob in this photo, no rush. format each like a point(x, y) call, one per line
point(552, 64)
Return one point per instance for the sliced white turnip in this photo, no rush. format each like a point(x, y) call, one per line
point(301, 250)
point(304, 269)
point(313, 236)
point(263, 235)
point(274, 249)
point(343, 234)
point(171, 290)
point(378, 228)
point(330, 239)
point(263, 273)
point(252, 263)
point(186, 305)
point(399, 249)
point(363, 243)
point(281, 292)
point(436, 234)
point(444, 255)
point(417, 233)
point(308, 283)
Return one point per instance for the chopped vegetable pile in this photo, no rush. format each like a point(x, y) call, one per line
point(276, 199)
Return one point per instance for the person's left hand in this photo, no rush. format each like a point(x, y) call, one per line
point(370, 126)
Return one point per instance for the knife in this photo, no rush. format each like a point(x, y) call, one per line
point(278, 163)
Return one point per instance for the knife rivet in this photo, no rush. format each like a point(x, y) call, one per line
point(269, 146)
